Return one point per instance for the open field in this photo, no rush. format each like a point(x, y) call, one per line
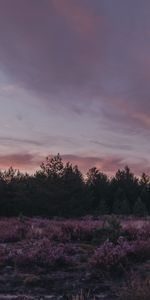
point(56, 259)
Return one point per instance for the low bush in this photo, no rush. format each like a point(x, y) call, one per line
point(40, 253)
point(110, 255)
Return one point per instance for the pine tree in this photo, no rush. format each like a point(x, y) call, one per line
point(124, 207)
point(103, 208)
point(117, 206)
point(139, 208)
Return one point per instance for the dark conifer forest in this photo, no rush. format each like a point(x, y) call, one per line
point(61, 190)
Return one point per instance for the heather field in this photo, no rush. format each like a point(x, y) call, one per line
point(73, 259)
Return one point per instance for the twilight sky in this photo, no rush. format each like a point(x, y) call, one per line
point(75, 79)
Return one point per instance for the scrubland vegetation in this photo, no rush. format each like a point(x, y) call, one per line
point(65, 257)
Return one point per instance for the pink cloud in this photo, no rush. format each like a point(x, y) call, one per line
point(79, 15)
point(107, 164)
point(24, 161)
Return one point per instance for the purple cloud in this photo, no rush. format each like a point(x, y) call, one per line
point(88, 59)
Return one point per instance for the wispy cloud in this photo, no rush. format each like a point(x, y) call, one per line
point(40, 141)
point(113, 145)
point(12, 140)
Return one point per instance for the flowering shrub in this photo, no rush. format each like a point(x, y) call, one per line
point(63, 231)
point(12, 230)
point(110, 255)
point(134, 233)
point(41, 253)
point(52, 243)
point(79, 231)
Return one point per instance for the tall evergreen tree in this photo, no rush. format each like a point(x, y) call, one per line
point(103, 208)
point(139, 208)
point(98, 184)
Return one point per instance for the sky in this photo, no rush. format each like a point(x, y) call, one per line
point(75, 79)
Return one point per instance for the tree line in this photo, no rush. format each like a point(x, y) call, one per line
point(59, 189)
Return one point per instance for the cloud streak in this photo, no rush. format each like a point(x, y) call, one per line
point(108, 164)
point(19, 161)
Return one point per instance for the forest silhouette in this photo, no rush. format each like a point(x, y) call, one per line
point(61, 190)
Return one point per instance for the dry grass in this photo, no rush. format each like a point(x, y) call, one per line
point(82, 296)
point(135, 289)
